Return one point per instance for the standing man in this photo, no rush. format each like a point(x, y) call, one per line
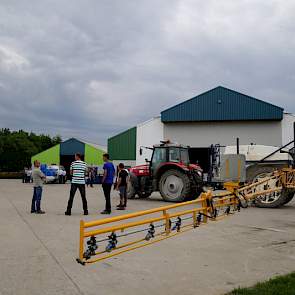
point(122, 186)
point(78, 171)
point(91, 176)
point(24, 174)
point(107, 182)
point(38, 178)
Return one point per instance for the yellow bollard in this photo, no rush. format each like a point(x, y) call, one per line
point(167, 222)
point(194, 219)
point(205, 207)
point(81, 246)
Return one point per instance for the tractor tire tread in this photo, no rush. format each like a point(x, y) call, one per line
point(279, 202)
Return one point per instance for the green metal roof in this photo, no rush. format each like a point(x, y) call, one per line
point(222, 104)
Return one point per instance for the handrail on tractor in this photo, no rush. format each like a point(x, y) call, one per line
point(203, 208)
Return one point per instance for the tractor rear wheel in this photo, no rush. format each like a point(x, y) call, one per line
point(174, 186)
point(290, 196)
point(271, 200)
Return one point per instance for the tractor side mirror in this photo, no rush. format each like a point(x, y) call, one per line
point(140, 151)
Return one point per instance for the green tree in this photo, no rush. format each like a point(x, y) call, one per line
point(17, 148)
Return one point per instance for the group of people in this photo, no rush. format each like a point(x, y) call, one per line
point(27, 175)
point(91, 176)
point(78, 172)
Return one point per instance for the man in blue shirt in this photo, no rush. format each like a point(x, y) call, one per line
point(107, 182)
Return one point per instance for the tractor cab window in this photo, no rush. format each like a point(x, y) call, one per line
point(159, 156)
point(184, 156)
point(174, 155)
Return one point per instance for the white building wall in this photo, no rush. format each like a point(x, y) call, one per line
point(287, 128)
point(148, 134)
point(203, 134)
point(127, 163)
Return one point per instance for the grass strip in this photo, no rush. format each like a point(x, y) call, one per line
point(281, 285)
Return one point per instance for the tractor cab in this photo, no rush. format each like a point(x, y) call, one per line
point(165, 154)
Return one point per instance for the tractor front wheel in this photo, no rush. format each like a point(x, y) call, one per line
point(133, 188)
point(143, 195)
point(130, 190)
point(175, 186)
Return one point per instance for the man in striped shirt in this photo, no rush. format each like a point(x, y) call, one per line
point(78, 172)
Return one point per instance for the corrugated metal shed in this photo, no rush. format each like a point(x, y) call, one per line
point(49, 156)
point(95, 145)
point(222, 104)
point(92, 154)
point(123, 145)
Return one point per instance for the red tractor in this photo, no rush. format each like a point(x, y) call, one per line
point(169, 172)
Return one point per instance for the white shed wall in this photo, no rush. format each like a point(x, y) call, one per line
point(127, 163)
point(148, 134)
point(203, 134)
point(287, 128)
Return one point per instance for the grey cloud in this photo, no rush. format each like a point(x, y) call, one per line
point(93, 68)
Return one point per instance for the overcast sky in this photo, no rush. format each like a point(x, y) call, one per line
point(90, 69)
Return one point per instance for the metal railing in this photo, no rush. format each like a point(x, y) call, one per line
point(110, 237)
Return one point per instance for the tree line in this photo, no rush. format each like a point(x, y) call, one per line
point(17, 148)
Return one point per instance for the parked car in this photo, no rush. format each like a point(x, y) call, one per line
point(54, 173)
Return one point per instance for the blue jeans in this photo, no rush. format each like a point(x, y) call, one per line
point(36, 201)
point(123, 195)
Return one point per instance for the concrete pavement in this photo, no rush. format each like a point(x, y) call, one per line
point(37, 252)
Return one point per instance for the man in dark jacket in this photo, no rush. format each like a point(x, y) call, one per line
point(122, 186)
